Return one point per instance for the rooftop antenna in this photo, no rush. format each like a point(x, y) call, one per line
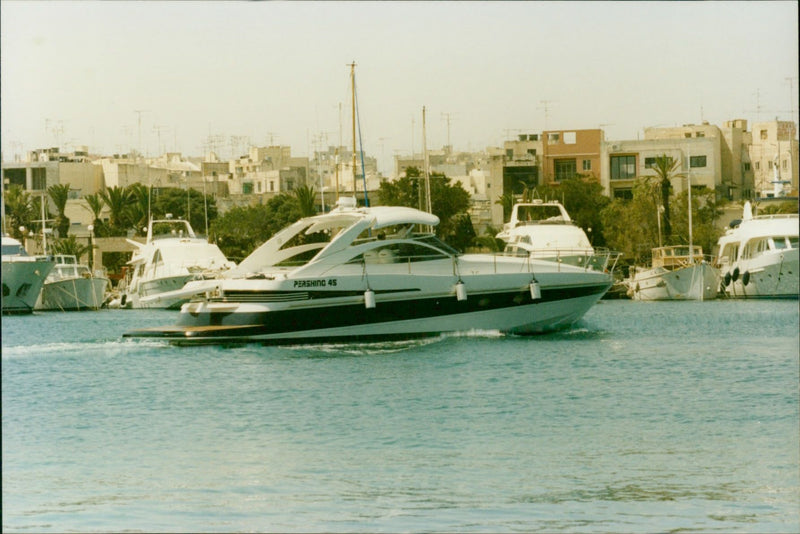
point(139, 121)
point(546, 106)
point(448, 117)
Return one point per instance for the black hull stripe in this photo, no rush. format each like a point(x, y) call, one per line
point(191, 325)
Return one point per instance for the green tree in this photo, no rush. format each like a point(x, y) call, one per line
point(241, 230)
point(187, 204)
point(507, 200)
point(306, 200)
point(778, 207)
point(139, 209)
point(118, 199)
point(69, 246)
point(665, 167)
point(96, 204)
point(706, 210)
point(463, 234)
point(447, 199)
point(19, 210)
point(489, 241)
point(631, 226)
point(59, 193)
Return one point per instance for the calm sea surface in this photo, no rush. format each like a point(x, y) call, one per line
point(645, 417)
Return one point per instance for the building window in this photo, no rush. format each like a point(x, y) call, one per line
point(623, 167)
point(697, 161)
point(699, 134)
point(564, 169)
point(569, 138)
point(510, 153)
point(649, 163)
point(531, 151)
point(39, 179)
point(624, 193)
point(247, 188)
point(785, 165)
point(533, 137)
point(747, 167)
point(271, 186)
point(758, 165)
point(764, 134)
point(688, 134)
point(552, 138)
point(587, 165)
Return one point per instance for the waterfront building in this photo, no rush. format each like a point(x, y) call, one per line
point(774, 142)
point(570, 153)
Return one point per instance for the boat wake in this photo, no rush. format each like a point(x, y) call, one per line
point(366, 348)
point(81, 348)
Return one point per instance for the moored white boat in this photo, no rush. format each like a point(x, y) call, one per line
point(171, 256)
point(72, 286)
point(363, 273)
point(675, 274)
point(545, 230)
point(23, 276)
point(758, 256)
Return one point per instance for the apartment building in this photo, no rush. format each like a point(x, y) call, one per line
point(774, 143)
point(569, 153)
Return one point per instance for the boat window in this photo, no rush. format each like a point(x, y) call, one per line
point(302, 238)
point(402, 252)
point(780, 242)
point(793, 241)
point(13, 250)
point(434, 241)
point(157, 259)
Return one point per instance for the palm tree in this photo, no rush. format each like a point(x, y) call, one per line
point(306, 200)
point(118, 200)
point(96, 205)
point(59, 193)
point(69, 246)
point(507, 200)
point(140, 206)
point(665, 168)
point(19, 210)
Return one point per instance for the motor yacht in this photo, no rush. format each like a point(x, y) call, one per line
point(758, 256)
point(171, 256)
point(544, 230)
point(359, 273)
point(23, 276)
point(72, 286)
point(676, 273)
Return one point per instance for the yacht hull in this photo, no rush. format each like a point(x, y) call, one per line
point(348, 318)
point(694, 282)
point(158, 293)
point(73, 294)
point(775, 275)
point(22, 283)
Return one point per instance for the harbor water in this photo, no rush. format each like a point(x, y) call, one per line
point(655, 417)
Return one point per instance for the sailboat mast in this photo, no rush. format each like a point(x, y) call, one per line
point(353, 97)
point(44, 225)
point(689, 185)
point(425, 165)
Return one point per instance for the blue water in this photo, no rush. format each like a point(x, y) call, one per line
point(649, 417)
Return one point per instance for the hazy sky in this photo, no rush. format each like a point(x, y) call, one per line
point(73, 73)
